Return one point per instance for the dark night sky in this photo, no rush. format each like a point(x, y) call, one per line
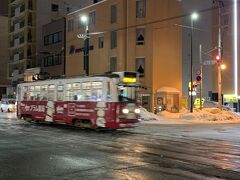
point(3, 7)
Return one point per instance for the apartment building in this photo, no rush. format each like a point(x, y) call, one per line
point(4, 83)
point(26, 19)
point(136, 35)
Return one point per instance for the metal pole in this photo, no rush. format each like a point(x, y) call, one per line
point(201, 69)
point(86, 51)
point(191, 64)
point(220, 61)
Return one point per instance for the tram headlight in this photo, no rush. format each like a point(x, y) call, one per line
point(137, 111)
point(125, 111)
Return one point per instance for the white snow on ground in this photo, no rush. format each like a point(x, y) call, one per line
point(207, 115)
point(151, 118)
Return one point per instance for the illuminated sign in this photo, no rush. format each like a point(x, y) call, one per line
point(129, 80)
point(230, 98)
point(197, 102)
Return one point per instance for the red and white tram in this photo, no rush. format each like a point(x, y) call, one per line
point(104, 101)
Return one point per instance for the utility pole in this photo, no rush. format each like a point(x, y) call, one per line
point(201, 69)
point(220, 55)
point(86, 51)
point(191, 72)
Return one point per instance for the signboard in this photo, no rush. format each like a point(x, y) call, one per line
point(197, 102)
point(230, 99)
point(73, 49)
point(209, 62)
point(199, 78)
point(129, 80)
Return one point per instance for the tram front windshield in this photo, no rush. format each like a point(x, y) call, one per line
point(127, 93)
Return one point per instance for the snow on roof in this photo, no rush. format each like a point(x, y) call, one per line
point(168, 89)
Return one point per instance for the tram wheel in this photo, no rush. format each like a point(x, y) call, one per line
point(82, 123)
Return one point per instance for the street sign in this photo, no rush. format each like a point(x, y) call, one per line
point(198, 72)
point(198, 78)
point(209, 62)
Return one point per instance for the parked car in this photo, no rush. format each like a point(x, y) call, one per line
point(8, 105)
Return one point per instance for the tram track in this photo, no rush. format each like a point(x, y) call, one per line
point(182, 153)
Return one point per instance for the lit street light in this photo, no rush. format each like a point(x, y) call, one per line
point(194, 16)
point(85, 36)
point(223, 66)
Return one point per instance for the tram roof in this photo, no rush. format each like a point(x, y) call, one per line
point(83, 78)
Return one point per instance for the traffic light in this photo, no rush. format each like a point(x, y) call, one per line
point(217, 58)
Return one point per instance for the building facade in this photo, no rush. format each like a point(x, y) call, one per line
point(138, 35)
point(26, 19)
point(53, 61)
point(4, 82)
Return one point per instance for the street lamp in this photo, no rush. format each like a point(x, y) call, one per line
point(223, 66)
point(194, 16)
point(85, 36)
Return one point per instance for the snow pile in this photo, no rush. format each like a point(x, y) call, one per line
point(146, 116)
point(207, 114)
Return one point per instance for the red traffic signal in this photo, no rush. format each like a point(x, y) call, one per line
point(217, 57)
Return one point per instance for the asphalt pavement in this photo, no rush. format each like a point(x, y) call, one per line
point(151, 151)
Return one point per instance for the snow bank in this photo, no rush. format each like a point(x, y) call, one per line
point(205, 115)
point(145, 115)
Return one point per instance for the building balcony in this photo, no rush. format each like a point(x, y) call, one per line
point(14, 2)
point(18, 56)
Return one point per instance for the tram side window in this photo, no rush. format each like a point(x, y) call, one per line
point(97, 92)
point(31, 89)
point(77, 91)
point(60, 93)
point(37, 93)
point(26, 93)
point(68, 92)
point(51, 92)
point(44, 92)
point(86, 90)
